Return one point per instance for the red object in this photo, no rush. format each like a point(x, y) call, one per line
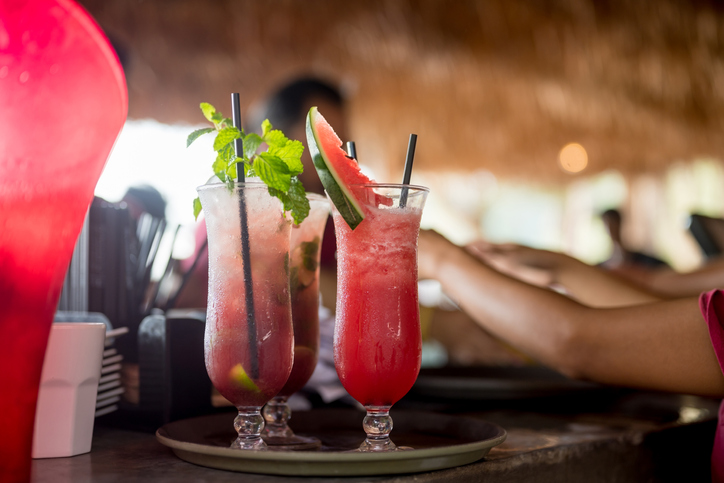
point(712, 308)
point(378, 343)
point(63, 101)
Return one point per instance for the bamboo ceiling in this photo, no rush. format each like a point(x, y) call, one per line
point(500, 85)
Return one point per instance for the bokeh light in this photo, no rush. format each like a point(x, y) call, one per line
point(573, 158)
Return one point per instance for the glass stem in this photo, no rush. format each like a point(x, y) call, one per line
point(276, 415)
point(249, 424)
point(378, 425)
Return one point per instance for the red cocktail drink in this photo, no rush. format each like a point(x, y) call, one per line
point(63, 101)
point(248, 342)
point(377, 340)
point(306, 244)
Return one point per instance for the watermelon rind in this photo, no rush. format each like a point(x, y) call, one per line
point(339, 193)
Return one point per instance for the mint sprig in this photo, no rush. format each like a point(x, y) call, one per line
point(278, 166)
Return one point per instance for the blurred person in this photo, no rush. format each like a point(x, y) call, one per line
point(664, 345)
point(622, 259)
point(144, 199)
point(287, 110)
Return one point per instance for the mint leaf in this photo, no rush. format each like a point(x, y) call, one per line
point(309, 254)
point(231, 171)
point(278, 167)
point(295, 200)
point(224, 158)
point(219, 168)
point(197, 208)
point(275, 139)
point(226, 136)
point(208, 110)
point(227, 153)
point(291, 154)
point(265, 128)
point(273, 171)
point(299, 201)
point(196, 134)
point(283, 197)
point(251, 144)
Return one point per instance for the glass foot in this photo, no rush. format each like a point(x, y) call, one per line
point(378, 425)
point(293, 443)
point(249, 425)
point(277, 432)
point(245, 444)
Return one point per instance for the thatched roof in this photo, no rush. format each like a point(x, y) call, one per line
point(500, 85)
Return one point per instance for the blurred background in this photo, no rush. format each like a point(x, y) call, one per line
point(533, 116)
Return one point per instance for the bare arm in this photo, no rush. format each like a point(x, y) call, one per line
point(589, 285)
point(661, 346)
point(675, 284)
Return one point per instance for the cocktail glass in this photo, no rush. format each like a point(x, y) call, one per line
point(63, 101)
point(249, 340)
point(306, 244)
point(377, 338)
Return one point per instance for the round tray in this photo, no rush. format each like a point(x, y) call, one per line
point(439, 441)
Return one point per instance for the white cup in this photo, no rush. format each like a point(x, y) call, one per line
point(65, 412)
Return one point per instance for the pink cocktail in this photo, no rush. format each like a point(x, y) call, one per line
point(377, 339)
point(306, 245)
point(249, 341)
point(63, 101)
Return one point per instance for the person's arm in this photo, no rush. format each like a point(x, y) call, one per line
point(670, 283)
point(589, 285)
point(660, 346)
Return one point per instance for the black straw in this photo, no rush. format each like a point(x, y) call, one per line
point(166, 272)
point(245, 253)
point(186, 277)
point(408, 168)
point(352, 150)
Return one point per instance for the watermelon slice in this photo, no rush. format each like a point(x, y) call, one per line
point(337, 171)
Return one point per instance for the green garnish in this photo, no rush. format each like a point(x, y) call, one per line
point(278, 167)
point(309, 254)
point(239, 376)
point(303, 275)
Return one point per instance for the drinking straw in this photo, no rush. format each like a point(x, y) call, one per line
point(186, 276)
point(351, 150)
point(155, 244)
point(245, 253)
point(408, 168)
point(151, 301)
point(150, 257)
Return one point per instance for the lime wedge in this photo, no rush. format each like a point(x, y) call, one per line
point(239, 375)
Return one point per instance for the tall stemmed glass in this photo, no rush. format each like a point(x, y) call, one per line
point(306, 244)
point(377, 339)
point(248, 342)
